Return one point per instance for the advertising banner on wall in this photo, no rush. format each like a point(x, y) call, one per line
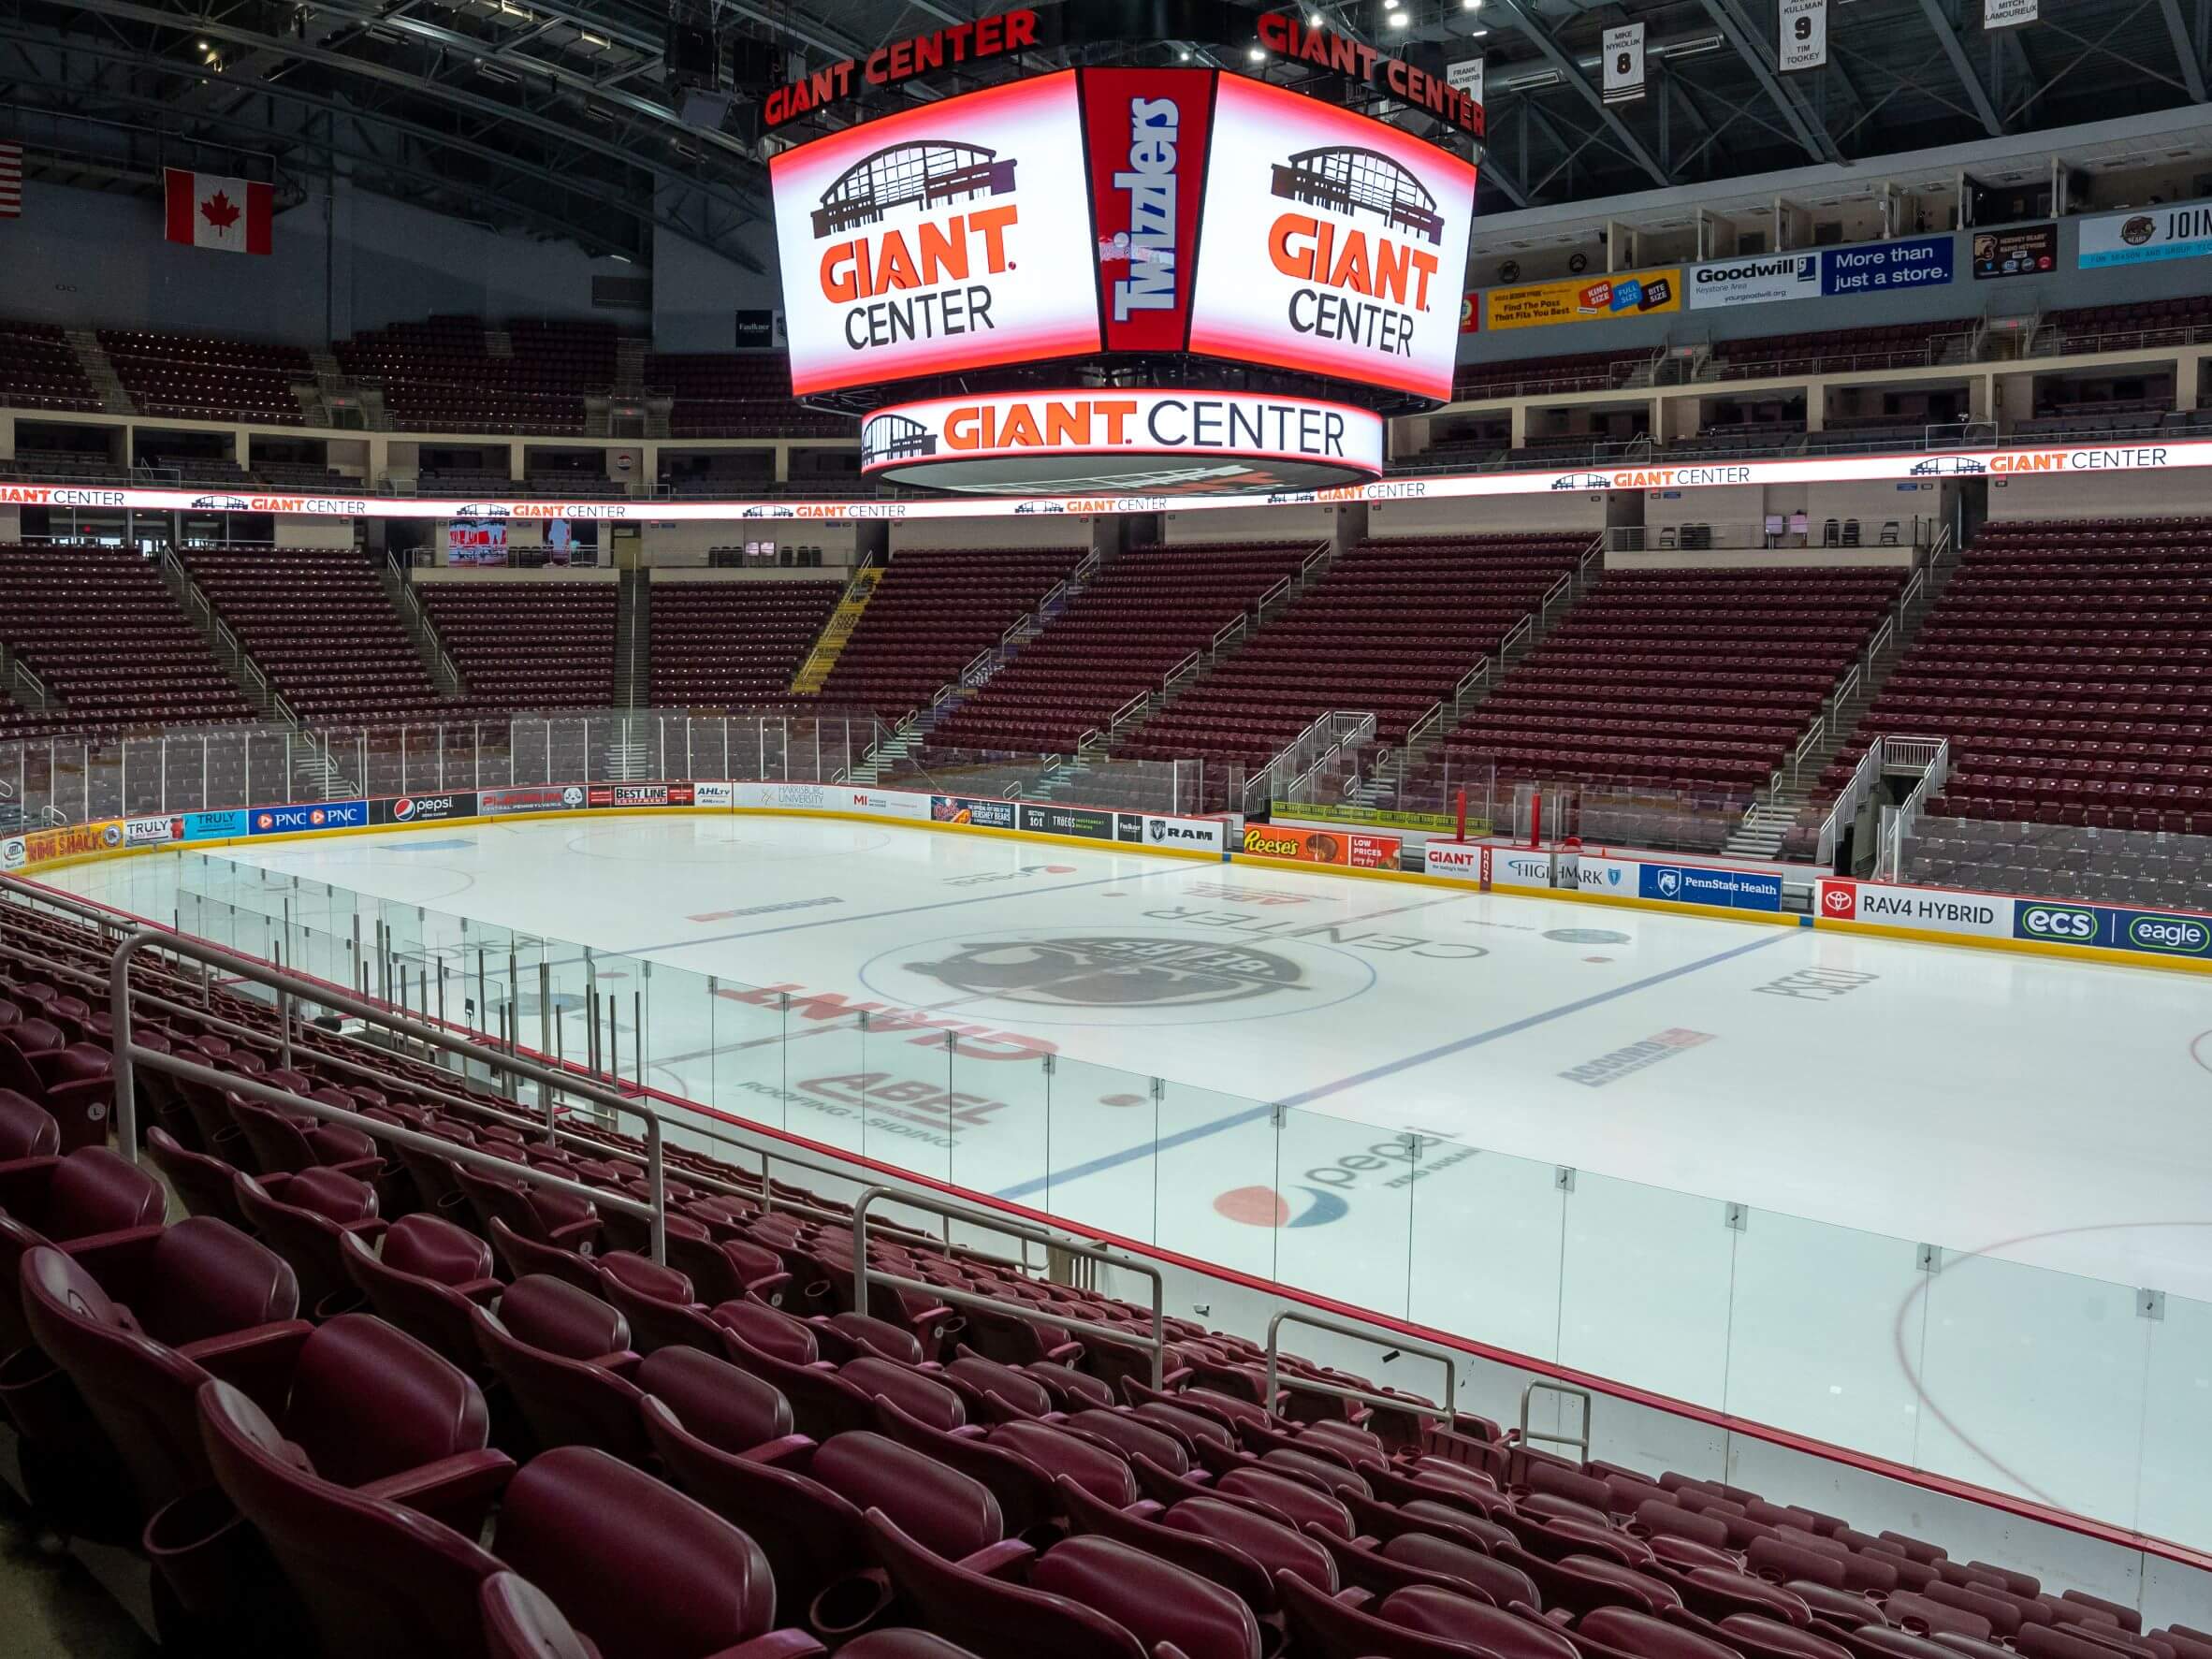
point(1974, 915)
point(1352, 848)
point(949, 236)
point(319, 815)
point(1584, 300)
point(424, 808)
point(2147, 236)
point(1761, 280)
point(2114, 927)
point(2025, 249)
point(1147, 131)
point(1917, 262)
point(989, 814)
point(1333, 245)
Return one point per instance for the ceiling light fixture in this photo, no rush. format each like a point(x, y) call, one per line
point(1258, 55)
point(1397, 20)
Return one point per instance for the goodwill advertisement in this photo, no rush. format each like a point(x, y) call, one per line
point(1917, 262)
point(2147, 236)
point(1584, 300)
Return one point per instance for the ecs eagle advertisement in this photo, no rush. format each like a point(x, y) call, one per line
point(1330, 244)
point(954, 236)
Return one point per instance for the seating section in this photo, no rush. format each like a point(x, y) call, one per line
point(2127, 867)
point(932, 612)
point(40, 369)
point(528, 645)
point(1698, 680)
point(723, 645)
point(2068, 663)
point(1837, 351)
point(1149, 610)
point(445, 376)
point(101, 630)
point(203, 376)
point(2127, 327)
point(317, 621)
point(735, 395)
point(1571, 371)
point(736, 1454)
point(1389, 629)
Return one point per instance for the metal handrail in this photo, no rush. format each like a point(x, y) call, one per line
point(1529, 1436)
point(1446, 1412)
point(863, 1275)
point(129, 1054)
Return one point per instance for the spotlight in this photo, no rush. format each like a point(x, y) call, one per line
point(1257, 55)
point(1396, 19)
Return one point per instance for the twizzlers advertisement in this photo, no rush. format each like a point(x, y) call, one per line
point(1147, 130)
point(1331, 244)
point(944, 237)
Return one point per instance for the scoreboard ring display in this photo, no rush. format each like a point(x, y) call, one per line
point(1138, 279)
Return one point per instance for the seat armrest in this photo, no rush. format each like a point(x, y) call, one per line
point(776, 1644)
point(788, 1449)
point(117, 1259)
point(768, 1287)
point(623, 1364)
point(1000, 1560)
point(1065, 1353)
point(568, 1233)
point(483, 1293)
point(24, 1182)
point(456, 1490)
point(364, 1170)
point(257, 1361)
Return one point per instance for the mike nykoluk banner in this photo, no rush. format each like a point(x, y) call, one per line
point(1625, 64)
point(1804, 35)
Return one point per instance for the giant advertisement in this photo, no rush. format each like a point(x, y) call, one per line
point(2183, 232)
point(1331, 244)
point(952, 236)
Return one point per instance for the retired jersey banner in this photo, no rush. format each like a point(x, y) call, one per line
point(1623, 54)
point(1803, 42)
point(1584, 300)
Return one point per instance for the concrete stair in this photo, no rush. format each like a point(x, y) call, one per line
point(437, 662)
point(100, 372)
point(633, 639)
point(222, 644)
point(837, 631)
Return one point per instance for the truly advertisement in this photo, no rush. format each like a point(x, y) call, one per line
point(1332, 244)
point(988, 814)
point(2147, 236)
point(152, 832)
point(1085, 822)
point(1147, 131)
point(946, 236)
point(1348, 848)
point(305, 819)
point(215, 827)
point(1583, 300)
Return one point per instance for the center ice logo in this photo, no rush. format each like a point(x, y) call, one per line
point(1263, 1206)
point(1114, 972)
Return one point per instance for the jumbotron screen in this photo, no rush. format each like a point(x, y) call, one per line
point(1122, 209)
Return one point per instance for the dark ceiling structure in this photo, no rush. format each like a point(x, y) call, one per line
point(560, 120)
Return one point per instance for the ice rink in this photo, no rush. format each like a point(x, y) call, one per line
point(1698, 1155)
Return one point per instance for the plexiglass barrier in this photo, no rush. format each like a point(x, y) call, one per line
point(2083, 1395)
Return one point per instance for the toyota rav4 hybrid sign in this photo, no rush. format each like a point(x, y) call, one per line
point(955, 235)
point(1164, 442)
point(1332, 243)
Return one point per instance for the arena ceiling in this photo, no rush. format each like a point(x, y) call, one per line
point(558, 120)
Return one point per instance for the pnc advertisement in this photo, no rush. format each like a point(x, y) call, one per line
point(1332, 243)
point(944, 237)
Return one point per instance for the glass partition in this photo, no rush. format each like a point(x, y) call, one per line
point(2068, 1390)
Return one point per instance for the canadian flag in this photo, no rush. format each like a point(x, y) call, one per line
point(206, 211)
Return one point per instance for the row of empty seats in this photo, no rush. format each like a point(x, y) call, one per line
point(203, 376)
point(528, 645)
point(725, 645)
point(318, 624)
point(39, 368)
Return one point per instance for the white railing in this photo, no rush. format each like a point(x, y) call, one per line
point(1228, 634)
point(1902, 823)
point(1186, 665)
point(1845, 808)
point(1814, 734)
point(1267, 599)
point(1313, 561)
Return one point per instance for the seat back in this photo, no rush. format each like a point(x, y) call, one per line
point(1236, 1571)
point(643, 1571)
point(1322, 1627)
point(275, 1143)
point(140, 1392)
point(822, 1403)
point(566, 1400)
point(306, 1238)
point(429, 1310)
point(728, 1408)
point(769, 1330)
point(1103, 1473)
point(203, 1277)
point(810, 1535)
point(369, 1401)
point(376, 1579)
point(942, 1509)
point(1157, 1601)
point(994, 1619)
point(525, 1254)
point(1026, 1495)
point(206, 1184)
point(96, 1190)
point(27, 1129)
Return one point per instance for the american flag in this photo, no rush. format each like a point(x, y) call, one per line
point(11, 181)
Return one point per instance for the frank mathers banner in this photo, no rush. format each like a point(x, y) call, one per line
point(952, 236)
